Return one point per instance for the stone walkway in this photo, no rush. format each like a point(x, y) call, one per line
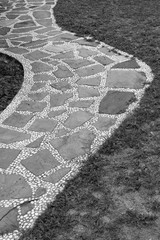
point(75, 93)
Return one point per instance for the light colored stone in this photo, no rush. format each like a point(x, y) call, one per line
point(63, 72)
point(84, 52)
point(17, 120)
point(76, 119)
point(38, 67)
point(43, 77)
point(61, 85)
point(47, 22)
point(81, 103)
point(84, 92)
point(41, 14)
point(103, 60)
point(59, 99)
point(92, 81)
point(106, 51)
point(89, 71)
point(53, 114)
point(75, 145)
point(36, 55)
point(7, 156)
point(37, 96)
point(55, 177)
point(65, 55)
point(14, 186)
point(104, 123)
point(43, 125)
point(9, 136)
point(59, 48)
point(38, 85)
point(78, 63)
point(17, 50)
point(40, 162)
point(31, 106)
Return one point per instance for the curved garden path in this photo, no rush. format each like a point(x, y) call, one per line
point(75, 93)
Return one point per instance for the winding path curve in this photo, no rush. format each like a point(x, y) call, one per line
point(75, 93)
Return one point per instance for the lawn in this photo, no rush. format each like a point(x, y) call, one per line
point(116, 195)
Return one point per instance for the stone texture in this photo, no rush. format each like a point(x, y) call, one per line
point(34, 44)
point(24, 30)
point(127, 64)
point(36, 55)
point(40, 162)
point(62, 85)
point(37, 96)
point(8, 220)
point(14, 186)
point(84, 52)
point(116, 102)
point(66, 37)
point(7, 156)
point(106, 51)
point(78, 63)
point(4, 30)
point(125, 79)
point(24, 24)
point(59, 48)
point(41, 14)
point(104, 123)
point(38, 85)
point(3, 44)
point(39, 192)
point(76, 119)
point(43, 125)
point(17, 120)
point(23, 39)
point(81, 103)
point(36, 143)
point(45, 30)
point(63, 72)
point(9, 136)
point(65, 55)
point(17, 50)
point(47, 22)
point(56, 113)
point(103, 60)
point(92, 81)
point(88, 71)
point(31, 106)
point(26, 207)
point(62, 132)
point(59, 99)
point(43, 77)
point(55, 177)
point(84, 92)
point(87, 43)
point(38, 67)
point(72, 146)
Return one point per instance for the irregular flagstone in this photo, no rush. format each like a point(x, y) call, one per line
point(65, 37)
point(43, 125)
point(24, 24)
point(39, 192)
point(84, 92)
point(7, 156)
point(55, 177)
point(36, 143)
point(37, 96)
point(62, 132)
point(4, 30)
point(74, 145)
point(40, 162)
point(56, 113)
point(84, 52)
point(5, 23)
point(58, 48)
point(25, 17)
point(45, 22)
point(41, 14)
point(103, 60)
point(9, 136)
point(63, 72)
point(3, 44)
point(66, 55)
point(62, 86)
point(106, 51)
point(38, 67)
point(38, 85)
point(59, 99)
point(31, 106)
point(26, 207)
point(17, 50)
point(125, 79)
point(87, 43)
point(25, 30)
point(104, 123)
point(78, 63)
point(88, 71)
point(45, 30)
point(17, 120)
point(12, 16)
point(127, 64)
point(92, 81)
point(81, 103)
point(36, 55)
point(43, 77)
point(116, 102)
point(36, 43)
point(14, 186)
point(8, 220)
point(77, 119)
point(23, 39)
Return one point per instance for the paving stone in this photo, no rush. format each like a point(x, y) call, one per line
point(87, 43)
point(23, 39)
point(25, 17)
point(6, 23)
point(54, 33)
point(41, 14)
point(45, 22)
point(103, 60)
point(62, 86)
point(11, 16)
point(63, 72)
point(43, 125)
point(84, 52)
point(106, 51)
point(58, 175)
point(38, 46)
point(24, 24)
point(125, 79)
point(75, 145)
point(26, 207)
point(92, 81)
point(38, 67)
point(45, 30)
point(14, 43)
point(36, 55)
point(127, 64)
point(4, 30)
point(8, 220)
point(37, 96)
point(62, 132)
point(43, 77)
point(36, 143)
point(78, 63)
point(25, 30)
point(31, 106)
point(58, 48)
point(84, 92)
point(35, 43)
point(66, 55)
point(7, 156)
point(40, 162)
point(14, 186)
point(39, 192)
point(76, 119)
point(17, 50)
point(3, 44)
point(17, 120)
point(81, 103)
point(56, 113)
point(38, 85)
point(116, 102)
point(104, 123)
point(53, 63)
point(66, 37)
point(9, 136)
point(88, 71)
point(59, 99)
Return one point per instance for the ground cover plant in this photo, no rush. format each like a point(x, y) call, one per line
point(116, 195)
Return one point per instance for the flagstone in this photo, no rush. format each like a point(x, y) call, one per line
point(116, 102)
point(65, 55)
point(84, 92)
point(25, 17)
point(59, 99)
point(81, 103)
point(37, 96)
point(45, 22)
point(104, 123)
point(92, 81)
point(24, 24)
point(43, 77)
point(4, 30)
point(34, 43)
point(9, 136)
point(87, 43)
point(40, 162)
point(14, 186)
point(7, 156)
point(127, 64)
point(3, 44)
point(74, 145)
point(38, 67)
point(31, 106)
point(38, 46)
point(106, 51)
point(41, 14)
point(26, 207)
point(43, 125)
point(14, 43)
point(17, 120)
point(38, 85)
point(58, 48)
point(17, 50)
point(56, 113)
point(25, 30)
point(23, 39)
point(84, 52)
point(66, 37)
point(78, 63)
point(88, 71)
point(39, 192)
point(11, 16)
point(62, 86)
point(53, 63)
point(5, 23)
point(53, 33)
point(36, 143)
point(36, 55)
point(55, 177)
point(8, 220)
point(103, 60)
point(45, 30)
point(62, 132)
point(125, 79)
point(63, 72)
point(76, 119)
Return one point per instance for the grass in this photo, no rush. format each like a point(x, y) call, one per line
point(116, 195)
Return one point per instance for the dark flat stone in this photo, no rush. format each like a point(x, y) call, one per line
point(4, 30)
point(127, 64)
